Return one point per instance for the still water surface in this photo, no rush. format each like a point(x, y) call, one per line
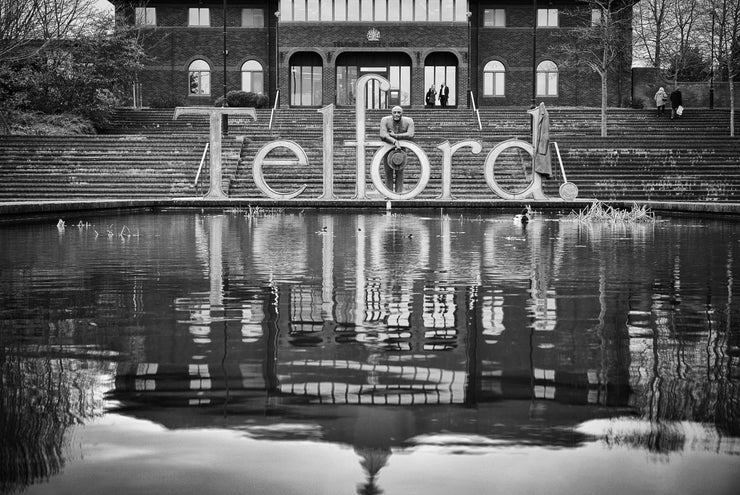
point(311, 353)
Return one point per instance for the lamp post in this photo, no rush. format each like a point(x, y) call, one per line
point(224, 117)
point(534, 53)
point(277, 57)
point(469, 15)
point(711, 69)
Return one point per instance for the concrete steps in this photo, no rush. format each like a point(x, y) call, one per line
point(145, 154)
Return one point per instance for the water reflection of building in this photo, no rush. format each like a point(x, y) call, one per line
point(390, 316)
point(490, 330)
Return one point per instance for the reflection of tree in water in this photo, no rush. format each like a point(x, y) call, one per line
point(42, 395)
point(373, 460)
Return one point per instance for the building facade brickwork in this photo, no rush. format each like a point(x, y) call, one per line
point(313, 59)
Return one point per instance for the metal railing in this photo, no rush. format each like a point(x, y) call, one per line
point(274, 107)
point(200, 167)
point(475, 109)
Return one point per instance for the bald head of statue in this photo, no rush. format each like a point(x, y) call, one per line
point(397, 112)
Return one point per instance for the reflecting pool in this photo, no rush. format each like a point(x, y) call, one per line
point(297, 352)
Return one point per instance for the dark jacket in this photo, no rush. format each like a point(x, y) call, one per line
point(676, 99)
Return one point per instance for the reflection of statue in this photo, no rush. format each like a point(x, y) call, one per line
point(373, 460)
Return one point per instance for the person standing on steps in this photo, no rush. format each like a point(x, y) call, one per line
point(660, 98)
point(393, 128)
point(676, 103)
point(431, 97)
point(444, 95)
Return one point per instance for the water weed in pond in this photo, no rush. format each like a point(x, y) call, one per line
point(599, 212)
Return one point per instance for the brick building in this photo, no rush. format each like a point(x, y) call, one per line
point(313, 50)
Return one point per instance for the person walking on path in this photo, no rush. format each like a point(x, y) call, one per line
point(393, 128)
point(676, 103)
point(660, 99)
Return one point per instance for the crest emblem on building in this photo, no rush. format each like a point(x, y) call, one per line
point(373, 35)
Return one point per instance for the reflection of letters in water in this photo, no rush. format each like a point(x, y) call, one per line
point(382, 332)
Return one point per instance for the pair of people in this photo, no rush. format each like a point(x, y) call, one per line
point(676, 99)
point(444, 96)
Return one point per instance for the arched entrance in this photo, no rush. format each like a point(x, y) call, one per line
point(396, 67)
point(441, 67)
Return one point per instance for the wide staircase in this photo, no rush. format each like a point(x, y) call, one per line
point(148, 154)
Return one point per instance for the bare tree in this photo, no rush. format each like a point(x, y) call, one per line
point(17, 27)
point(59, 19)
point(683, 17)
point(650, 30)
point(600, 44)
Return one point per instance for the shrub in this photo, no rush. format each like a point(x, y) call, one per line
point(42, 124)
point(168, 101)
point(244, 99)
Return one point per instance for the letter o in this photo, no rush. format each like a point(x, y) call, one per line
point(426, 170)
point(491, 161)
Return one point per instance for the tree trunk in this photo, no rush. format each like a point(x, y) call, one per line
point(730, 69)
point(604, 99)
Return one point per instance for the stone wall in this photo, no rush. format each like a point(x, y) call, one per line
point(647, 80)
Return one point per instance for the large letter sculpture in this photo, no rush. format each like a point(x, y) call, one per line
point(259, 160)
point(359, 142)
point(215, 113)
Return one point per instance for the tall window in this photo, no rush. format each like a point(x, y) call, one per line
point(252, 77)
point(199, 17)
point(441, 68)
point(146, 16)
point(494, 79)
point(199, 78)
point(253, 18)
point(547, 78)
point(494, 18)
point(547, 17)
point(306, 78)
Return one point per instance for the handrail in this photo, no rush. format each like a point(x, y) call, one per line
point(274, 106)
point(475, 109)
point(200, 167)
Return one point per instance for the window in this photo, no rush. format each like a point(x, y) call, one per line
point(199, 17)
point(326, 10)
point(434, 11)
point(199, 78)
point(146, 16)
point(312, 10)
point(253, 77)
point(441, 68)
point(305, 85)
point(306, 79)
point(253, 18)
point(547, 78)
point(494, 79)
point(366, 10)
point(494, 18)
point(547, 17)
point(373, 10)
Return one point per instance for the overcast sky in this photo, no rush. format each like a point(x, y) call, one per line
point(105, 5)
